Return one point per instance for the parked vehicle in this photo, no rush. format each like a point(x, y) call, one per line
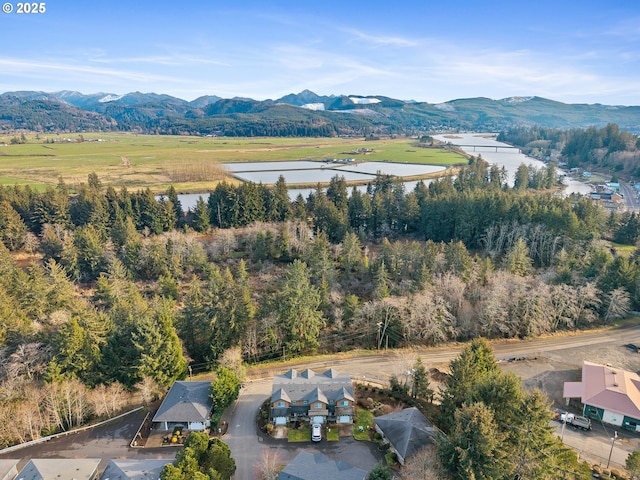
point(632, 346)
point(316, 432)
point(577, 421)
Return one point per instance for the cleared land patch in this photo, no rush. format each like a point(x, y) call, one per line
point(188, 163)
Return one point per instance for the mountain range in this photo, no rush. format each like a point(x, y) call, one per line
point(301, 114)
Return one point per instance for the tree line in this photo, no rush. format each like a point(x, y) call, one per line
point(125, 289)
point(606, 149)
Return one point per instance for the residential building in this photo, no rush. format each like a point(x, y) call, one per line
point(310, 396)
point(59, 468)
point(8, 469)
point(125, 469)
point(406, 431)
point(309, 466)
point(188, 404)
point(608, 394)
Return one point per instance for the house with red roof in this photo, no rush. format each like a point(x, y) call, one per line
point(608, 394)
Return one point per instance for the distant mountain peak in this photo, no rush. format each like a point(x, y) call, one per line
point(516, 99)
point(110, 98)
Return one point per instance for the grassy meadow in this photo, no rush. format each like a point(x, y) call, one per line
point(191, 164)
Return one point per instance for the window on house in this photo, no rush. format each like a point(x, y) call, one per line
point(318, 405)
point(344, 403)
point(281, 404)
point(305, 402)
point(331, 402)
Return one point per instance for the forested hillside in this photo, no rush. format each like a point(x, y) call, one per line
point(294, 115)
point(106, 289)
point(607, 149)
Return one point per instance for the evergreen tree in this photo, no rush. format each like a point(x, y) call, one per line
point(178, 213)
point(224, 389)
point(297, 309)
point(518, 262)
point(12, 228)
point(473, 449)
point(420, 388)
point(381, 282)
point(201, 216)
point(158, 346)
point(475, 363)
point(280, 208)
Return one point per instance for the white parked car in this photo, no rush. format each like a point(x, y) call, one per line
point(316, 432)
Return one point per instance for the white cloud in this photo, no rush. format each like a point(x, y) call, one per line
point(382, 40)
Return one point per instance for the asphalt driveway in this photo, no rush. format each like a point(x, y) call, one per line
point(106, 442)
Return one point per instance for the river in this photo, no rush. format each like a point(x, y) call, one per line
point(473, 143)
point(485, 145)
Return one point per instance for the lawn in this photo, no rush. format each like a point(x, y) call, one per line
point(189, 163)
point(300, 435)
point(364, 421)
point(333, 435)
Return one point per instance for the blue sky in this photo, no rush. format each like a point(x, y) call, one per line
point(570, 51)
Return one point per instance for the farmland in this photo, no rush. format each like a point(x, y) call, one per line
point(191, 164)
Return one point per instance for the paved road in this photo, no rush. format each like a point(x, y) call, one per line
point(105, 442)
point(112, 440)
point(630, 198)
point(247, 445)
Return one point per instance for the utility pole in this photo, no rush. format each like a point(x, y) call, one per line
point(613, 439)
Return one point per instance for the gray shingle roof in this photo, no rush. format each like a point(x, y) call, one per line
point(8, 469)
point(309, 466)
point(186, 402)
point(316, 395)
point(128, 469)
point(309, 385)
point(280, 394)
point(58, 468)
point(407, 430)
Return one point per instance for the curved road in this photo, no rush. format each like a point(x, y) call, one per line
point(247, 445)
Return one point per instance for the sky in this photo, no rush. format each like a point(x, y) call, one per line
point(566, 50)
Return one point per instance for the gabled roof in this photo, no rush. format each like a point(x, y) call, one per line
point(344, 393)
point(280, 395)
point(310, 385)
point(186, 402)
point(59, 468)
point(407, 430)
point(316, 395)
point(309, 466)
point(8, 469)
point(608, 388)
point(134, 469)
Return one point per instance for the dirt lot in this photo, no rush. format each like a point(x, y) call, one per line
point(549, 371)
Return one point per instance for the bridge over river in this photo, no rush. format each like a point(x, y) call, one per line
point(492, 148)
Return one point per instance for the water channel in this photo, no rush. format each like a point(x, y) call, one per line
point(304, 171)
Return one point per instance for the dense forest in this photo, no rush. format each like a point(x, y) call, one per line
point(104, 292)
point(607, 149)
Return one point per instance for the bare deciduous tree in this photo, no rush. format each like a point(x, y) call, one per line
point(269, 465)
point(232, 359)
point(148, 389)
point(424, 465)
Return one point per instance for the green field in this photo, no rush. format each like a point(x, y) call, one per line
point(188, 163)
